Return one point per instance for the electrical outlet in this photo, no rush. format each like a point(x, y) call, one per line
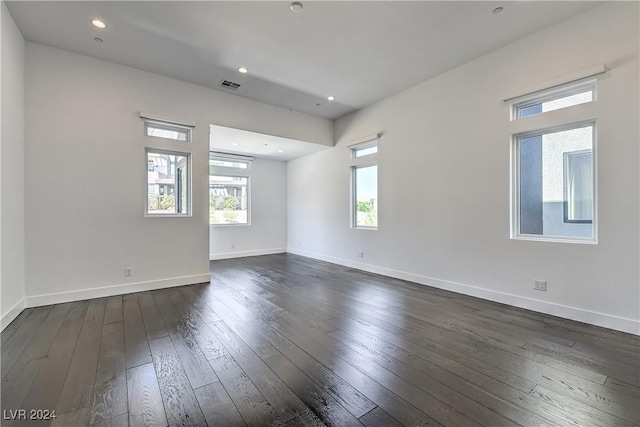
point(233, 246)
point(539, 285)
point(360, 254)
point(128, 271)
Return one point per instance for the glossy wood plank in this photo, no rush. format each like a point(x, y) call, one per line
point(191, 356)
point(47, 385)
point(78, 386)
point(312, 358)
point(279, 396)
point(43, 322)
point(619, 386)
point(321, 403)
point(14, 325)
point(308, 419)
point(143, 393)
point(109, 398)
point(217, 406)
point(417, 344)
point(82, 417)
point(18, 380)
point(379, 418)
point(135, 337)
point(602, 365)
point(573, 387)
point(181, 406)
point(344, 393)
point(113, 310)
point(153, 323)
point(421, 359)
point(188, 303)
point(253, 407)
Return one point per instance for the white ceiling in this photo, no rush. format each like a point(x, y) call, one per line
point(237, 141)
point(357, 51)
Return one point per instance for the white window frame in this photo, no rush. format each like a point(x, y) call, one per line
point(229, 171)
point(552, 94)
point(154, 124)
point(515, 185)
point(188, 206)
point(565, 189)
point(155, 121)
point(356, 163)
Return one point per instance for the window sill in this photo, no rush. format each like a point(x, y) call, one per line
point(557, 239)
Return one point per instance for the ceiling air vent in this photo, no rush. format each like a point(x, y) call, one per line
point(226, 84)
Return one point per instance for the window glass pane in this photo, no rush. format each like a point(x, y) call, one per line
point(228, 200)
point(556, 183)
point(229, 163)
point(167, 186)
point(578, 197)
point(563, 101)
point(359, 152)
point(167, 130)
point(366, 196)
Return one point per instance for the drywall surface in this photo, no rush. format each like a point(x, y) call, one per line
point(444, 179)
point(267, 233)
point(85, 164)
point(12, 187)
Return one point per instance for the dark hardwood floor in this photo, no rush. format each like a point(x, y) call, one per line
point(286, 340)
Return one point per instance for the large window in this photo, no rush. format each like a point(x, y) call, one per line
point(168, 183)
point(553, 183)
point(364, 185)
point(554, 180)
point(229, 180)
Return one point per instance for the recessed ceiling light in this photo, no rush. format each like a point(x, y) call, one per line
point(280, 151)
point(98, 23)
point(498, 9)
point(243, 70)
point(296, 7)
point(235, 143)
point(331, 98)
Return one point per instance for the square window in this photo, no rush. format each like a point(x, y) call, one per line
point(228, 200)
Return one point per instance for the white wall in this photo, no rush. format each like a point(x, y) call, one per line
point(85, 168)
point(444, 180)
point(267, 233)
point(12, 187)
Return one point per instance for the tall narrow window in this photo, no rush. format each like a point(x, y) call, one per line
point(168, 183)
point(229, 200)
point(364, 183)
point(365, 188)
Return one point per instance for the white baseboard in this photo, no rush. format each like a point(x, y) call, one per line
point(242, 254)
point(12, 314)
point(573, 313)
point(107, 291)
